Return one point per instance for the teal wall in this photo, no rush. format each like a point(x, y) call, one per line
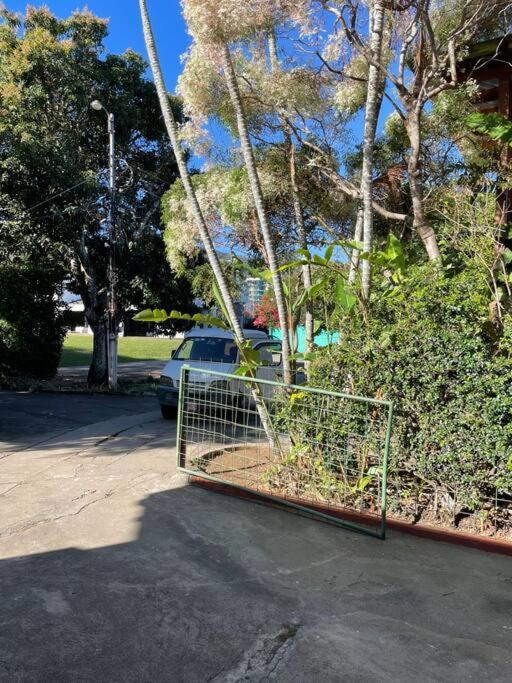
point(321, 339)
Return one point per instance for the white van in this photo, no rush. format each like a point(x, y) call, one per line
point(214, 349)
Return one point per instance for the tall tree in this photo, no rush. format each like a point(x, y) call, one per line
point(254, 180)
point(373, 101)
point(428, 39)
point(211, 254)
point(172, 130)
point(296, 199)
point(215, 27)
point(53, 155)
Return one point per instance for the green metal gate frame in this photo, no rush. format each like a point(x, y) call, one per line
point(379, 533)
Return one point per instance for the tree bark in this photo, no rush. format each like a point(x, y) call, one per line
point(95, 309)
point(373, 102)
point(254, 181)
point(98, 370)
point(420, 221)
point(354, 256)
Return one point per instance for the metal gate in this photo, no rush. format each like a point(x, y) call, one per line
point(321, 452)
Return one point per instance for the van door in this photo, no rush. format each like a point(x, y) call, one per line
point(271, 364)
point(271, 368)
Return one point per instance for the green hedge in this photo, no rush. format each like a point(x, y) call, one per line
point(31, 326)
point(432, 350)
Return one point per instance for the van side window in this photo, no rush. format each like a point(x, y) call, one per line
point(266, 353)
point(209, 349)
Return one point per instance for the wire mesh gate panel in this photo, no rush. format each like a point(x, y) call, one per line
point(315, 450)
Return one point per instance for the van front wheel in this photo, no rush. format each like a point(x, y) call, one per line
point(169, 412)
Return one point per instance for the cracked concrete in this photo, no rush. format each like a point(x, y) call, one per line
point(113, 569)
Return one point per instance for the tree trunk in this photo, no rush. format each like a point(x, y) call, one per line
point(172, 131)
point(420, 222)
point(254, 182)
point(301, 232)
point(95, 308)
point(98, 370)
point(297, 206)
point(373, 102)
point(354, 256)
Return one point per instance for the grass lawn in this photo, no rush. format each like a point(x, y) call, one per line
point(77, 349)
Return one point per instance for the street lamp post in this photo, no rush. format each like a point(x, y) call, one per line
point(112, 332)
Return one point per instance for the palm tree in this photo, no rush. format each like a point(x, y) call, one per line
point(202, 227)
point(254, 181)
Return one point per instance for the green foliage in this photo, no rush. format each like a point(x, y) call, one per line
point(31, 328)
point(428, 349)
point(159, 315)
point(496, 126)
point(202, 281)
point(53, 150)
point(337, 448)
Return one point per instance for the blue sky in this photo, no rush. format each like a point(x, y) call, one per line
point(125, 26)
point(126, 32)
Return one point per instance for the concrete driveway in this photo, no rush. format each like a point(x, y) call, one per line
point(113, 569)
point(28, 419)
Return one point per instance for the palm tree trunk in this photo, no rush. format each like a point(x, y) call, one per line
point(206, 239)
point(373, 101)
point(250, 163)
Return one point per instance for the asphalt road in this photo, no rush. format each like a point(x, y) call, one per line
point(112, 568)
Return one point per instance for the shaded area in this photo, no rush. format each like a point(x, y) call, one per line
point(137, 377)
point(30, 418)
point(219, 589)
point(113, 569)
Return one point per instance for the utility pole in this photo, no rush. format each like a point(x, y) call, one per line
point(112, 327)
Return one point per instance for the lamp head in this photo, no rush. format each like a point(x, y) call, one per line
point(96, 104)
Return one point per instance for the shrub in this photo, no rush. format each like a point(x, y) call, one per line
point(431, 349)
point(72, 319)
point(31, 329)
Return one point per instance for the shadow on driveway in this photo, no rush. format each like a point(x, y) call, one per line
point(213, 588)
point(28, 419)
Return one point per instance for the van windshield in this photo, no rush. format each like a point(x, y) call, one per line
point(209, 349)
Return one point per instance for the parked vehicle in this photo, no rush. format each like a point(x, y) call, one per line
point(214, 349)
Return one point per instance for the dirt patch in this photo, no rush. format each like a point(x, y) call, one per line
point(257, 468)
